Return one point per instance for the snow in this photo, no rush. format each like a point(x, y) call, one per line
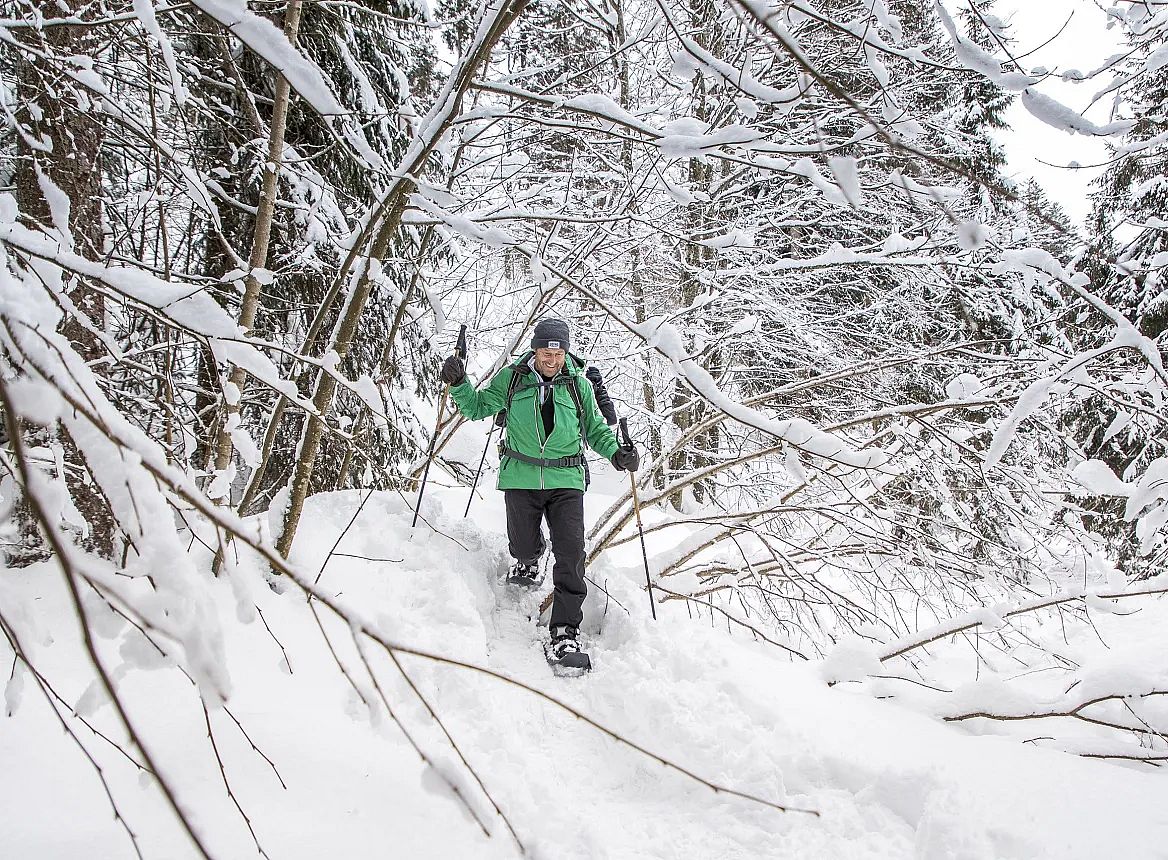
point(806, 168)
point(971, 235)
point(963, 386)
point(1058, 115)
point(41, 404)
point(796, 431)
point(231, 393)
point(887, 21)
point(1098, 478)
point(492, 237)
point(14, 689)
point(1157, 59)
point(145, 11)
point(877, 67)
point(59, 207)
point(604, 106)
point(399, 692)
point(696, 57)
point(249, 452)
point(941, 193)
point(689, 138)
point(887, 781)
point(850, 661)
point(844, 169)
point(1035, 394)
point(263, 37)
point(978, 59)
point(1029, 401)
point(734, 239)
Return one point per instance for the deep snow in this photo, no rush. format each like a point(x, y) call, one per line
point(889, 782)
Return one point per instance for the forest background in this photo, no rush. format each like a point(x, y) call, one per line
point(888, 395)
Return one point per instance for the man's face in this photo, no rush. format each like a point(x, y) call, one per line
point(549, 362)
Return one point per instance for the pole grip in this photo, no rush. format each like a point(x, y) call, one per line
point(460, 347)
point(624, 432)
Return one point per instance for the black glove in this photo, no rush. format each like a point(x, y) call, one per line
point(453, 371)
point(602, 399)
point(626, 459)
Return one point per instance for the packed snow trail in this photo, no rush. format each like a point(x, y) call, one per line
point(888, 782)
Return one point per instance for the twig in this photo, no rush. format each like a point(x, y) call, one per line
point(178, 483)
point(279, 644)
point(341, 536)
point(455, 790)
point(227, 784)
point(730, 617)
point(620, 739)
point(65, 559)
point(449, 738)
point(42, 685)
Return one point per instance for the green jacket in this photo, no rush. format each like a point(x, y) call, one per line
point(524, 428)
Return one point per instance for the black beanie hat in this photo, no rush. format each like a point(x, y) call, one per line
point(550, 334)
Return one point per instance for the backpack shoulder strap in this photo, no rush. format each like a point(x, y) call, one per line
point(578, 402)
point(517, 370)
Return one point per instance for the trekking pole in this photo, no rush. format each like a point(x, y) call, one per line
point(628, 443)
point(490, 433)
point(460, 351)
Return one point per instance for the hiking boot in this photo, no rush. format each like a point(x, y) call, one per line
point(564, 653)
point(564, 641)
point(525, 575)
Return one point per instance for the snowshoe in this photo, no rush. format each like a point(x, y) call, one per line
point(524, 576)
point(564, 655)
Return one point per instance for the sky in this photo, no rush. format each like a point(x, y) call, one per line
point(1034, 148)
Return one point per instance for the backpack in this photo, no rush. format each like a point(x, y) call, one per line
point(520, 368)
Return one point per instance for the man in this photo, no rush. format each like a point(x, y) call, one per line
point(551, 412)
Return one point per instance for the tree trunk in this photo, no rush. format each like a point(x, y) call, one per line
point(694, 257)
point(61, 144)
point(619, 36)
point(260, 242)
point(387, 222)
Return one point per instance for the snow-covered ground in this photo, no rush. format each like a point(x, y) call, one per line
point(888, 782)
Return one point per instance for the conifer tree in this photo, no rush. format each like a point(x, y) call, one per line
point(1128, 263)
point(58, 180)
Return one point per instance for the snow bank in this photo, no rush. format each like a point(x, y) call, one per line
point(889, 782)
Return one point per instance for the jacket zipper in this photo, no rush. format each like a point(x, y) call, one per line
point(538, 423)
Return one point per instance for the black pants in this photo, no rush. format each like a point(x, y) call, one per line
point(564, 511)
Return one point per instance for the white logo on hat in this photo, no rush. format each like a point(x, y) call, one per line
point(553, 344)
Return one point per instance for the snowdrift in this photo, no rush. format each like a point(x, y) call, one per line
point(325, 769)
